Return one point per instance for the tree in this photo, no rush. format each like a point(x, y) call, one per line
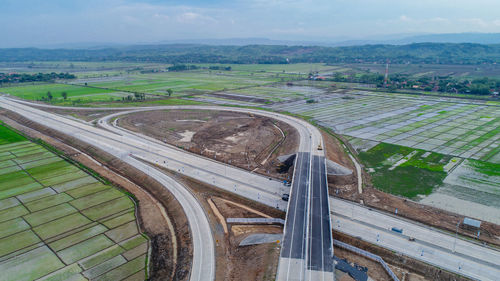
point(64, 95)
point(49, 96)
point(170, 92)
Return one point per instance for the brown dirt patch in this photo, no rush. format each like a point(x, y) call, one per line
point(247, 141)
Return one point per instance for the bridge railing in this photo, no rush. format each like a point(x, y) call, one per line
point(256, 220)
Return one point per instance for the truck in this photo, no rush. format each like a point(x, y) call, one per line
point(397, 229)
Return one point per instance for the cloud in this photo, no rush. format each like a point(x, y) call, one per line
point(30, 22)
point(191, 17)
point(476, 22)
point(295, 31)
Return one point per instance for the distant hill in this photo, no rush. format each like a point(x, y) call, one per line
point(394, 39)
point(443, 53)
point(478, 38)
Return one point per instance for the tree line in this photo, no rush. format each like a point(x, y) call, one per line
point(38, 77)
point(444, 84)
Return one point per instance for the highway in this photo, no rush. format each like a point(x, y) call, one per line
point(431, 245)
point(203, 266)
point(307, 223)
point(320, 262)
point(293, 252)
point(126, 145)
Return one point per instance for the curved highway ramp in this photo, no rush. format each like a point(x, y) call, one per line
point(307, 252)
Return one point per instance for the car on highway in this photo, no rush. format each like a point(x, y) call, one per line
point(397, 229)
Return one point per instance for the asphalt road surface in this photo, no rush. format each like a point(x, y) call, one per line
point(320, 257)
point(293, 251)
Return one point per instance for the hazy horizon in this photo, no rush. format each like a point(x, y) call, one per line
point(52, 22)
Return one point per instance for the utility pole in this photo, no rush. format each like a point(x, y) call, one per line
point(386, 73)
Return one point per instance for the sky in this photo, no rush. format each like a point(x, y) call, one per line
point(26, 23)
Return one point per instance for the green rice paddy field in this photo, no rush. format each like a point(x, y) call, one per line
point(405, 171)
point(108, 86)
point(59, 223)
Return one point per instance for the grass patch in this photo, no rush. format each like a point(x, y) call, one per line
point(408, 181)
point(417, 176)
point(9, 136)
point(36, 92)
point(379, 153)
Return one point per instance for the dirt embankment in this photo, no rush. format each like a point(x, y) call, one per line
point(164, 264)
point(244, 140)
point(248, 263)
point(346, 187)
point(335, 152)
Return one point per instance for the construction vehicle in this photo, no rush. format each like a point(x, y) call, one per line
point(320, 147)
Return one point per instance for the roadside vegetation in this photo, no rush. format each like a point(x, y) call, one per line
point(9, 136)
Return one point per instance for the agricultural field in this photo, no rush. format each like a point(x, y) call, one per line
point(189, 82)
point(419, 70)
point(464, 186)
point(471, 189)
point(458, 128)
point(113, 82)
point(59, 223)
point(405, 171)
point(303, 68)
point(37, 92)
